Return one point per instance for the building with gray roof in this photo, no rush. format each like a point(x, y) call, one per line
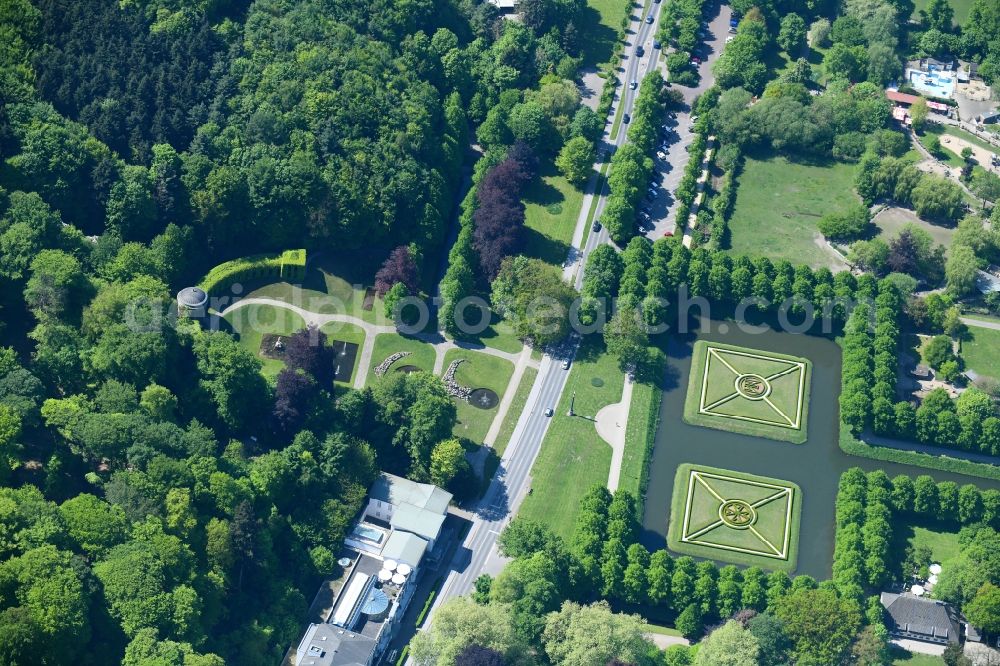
point(919, 619)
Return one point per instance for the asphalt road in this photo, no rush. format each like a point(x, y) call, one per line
point(661, 209)
point(477, 554)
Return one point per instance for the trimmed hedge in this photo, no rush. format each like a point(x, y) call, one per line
point(290, 265)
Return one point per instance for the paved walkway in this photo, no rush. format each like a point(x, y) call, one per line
point(523, 361)
point(611, 422)
point(663, 641)
point(440, 344)
point(980, 323)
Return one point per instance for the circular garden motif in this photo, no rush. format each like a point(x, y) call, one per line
point(484, 398)
point(597, 382)
point(753, 387)
point(737, 513)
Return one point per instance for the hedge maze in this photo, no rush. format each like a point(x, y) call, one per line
point(735, 517)
point(758, 393)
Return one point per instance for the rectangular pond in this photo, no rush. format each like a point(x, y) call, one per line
point(815, 466)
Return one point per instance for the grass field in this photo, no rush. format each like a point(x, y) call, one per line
point(598, 28)
point(735, 517)
point(640, 432)
point(252, 322)
point(944, 545)
point(891, 221)
point(982, 351)
point(757, 393)
point(552, 206)
point(779, 203)
point(573, 457)
point(944, 154)
point(901, 657)
point(478, 371)
point(386, 344)
point(514, 413)
point(961, 9)
point(498, 335)
point(346, 333)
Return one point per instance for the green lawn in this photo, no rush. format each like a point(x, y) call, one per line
point(514, 413)
point(640, 432)
point(961, 9)
point(386, 344)
point(552, 206)
point(892, 220)
point(982, 351)
point(498, 335)
point(659, 629)
point(735, 517)
point(764, 394)
point(478, 371)
point(574, 458)
point(334, 283)
point(778, 204)
point(901, 657)
point(944, 154)
point(944, 545)
point(598, 28)
point(252, 322)
point(346, 333)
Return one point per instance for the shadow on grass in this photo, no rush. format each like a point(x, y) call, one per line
point(546, 248)
point(598, 39)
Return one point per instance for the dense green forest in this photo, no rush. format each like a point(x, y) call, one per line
point(162, 501)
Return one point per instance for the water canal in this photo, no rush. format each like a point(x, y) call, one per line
point(815, 466)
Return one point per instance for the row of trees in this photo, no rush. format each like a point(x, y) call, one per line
point(869, 505)
point(631, 166)
point(604, 561)
point(934, 198)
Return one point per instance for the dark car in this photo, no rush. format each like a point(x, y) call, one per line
point(639, 51)
point(626, 119)
point(596, 226)
point(656, 44)
point(649, 19)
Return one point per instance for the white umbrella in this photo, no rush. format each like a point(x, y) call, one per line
point(398, 579)
point(384, 575)
point(390, 565)
point(934, 569)
point(932, 579)
point(917, 590)
point(403, 569)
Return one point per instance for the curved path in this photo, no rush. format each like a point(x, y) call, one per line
point(440, 344)
point(611, 422)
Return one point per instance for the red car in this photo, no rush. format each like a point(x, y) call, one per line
point(695, 60)
point(668, 234)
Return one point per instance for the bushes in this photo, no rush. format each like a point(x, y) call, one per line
point(290, 265)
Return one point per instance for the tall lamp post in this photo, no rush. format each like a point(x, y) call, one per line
point(571, 401)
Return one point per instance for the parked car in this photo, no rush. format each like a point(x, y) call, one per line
point(596, 226)
point(732, 29)
point(649, 19)
point(662, 155)
point(695, 60)
point(730, 38)
point(668, 234)
point(653, 194)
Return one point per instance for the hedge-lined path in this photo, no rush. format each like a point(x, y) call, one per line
point(440, 344)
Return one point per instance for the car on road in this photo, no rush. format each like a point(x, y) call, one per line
point(639, 51)
point(548, 411)
point(626, 118)
point(596, 226)
point(649, 19)
point(633, 85)
point(565, 364)
point(656, 42)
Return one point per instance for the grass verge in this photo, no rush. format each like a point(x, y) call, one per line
point(853, 446)
point(981, 351)
point(552, 206)
point(514, 413)
point(252, 322)
point(640, 437)
point(573, 458)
